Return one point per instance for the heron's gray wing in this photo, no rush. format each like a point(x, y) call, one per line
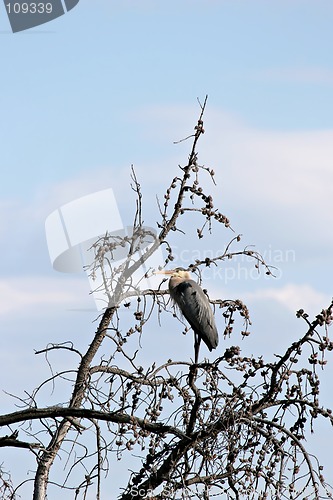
point(195, 307)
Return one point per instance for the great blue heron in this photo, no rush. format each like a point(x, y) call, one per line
point(195, 307)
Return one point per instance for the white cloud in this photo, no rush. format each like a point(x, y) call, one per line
point(252, 165)
point(282, 168)
point(36, 295)
point(293, 297)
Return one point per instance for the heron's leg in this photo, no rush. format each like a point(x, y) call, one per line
point(197, 340)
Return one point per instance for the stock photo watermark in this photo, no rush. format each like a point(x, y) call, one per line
point(23, 15)
point(88, 235)
point(138, 492)
point(240, 268)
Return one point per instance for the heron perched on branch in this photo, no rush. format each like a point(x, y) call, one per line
point(195, 307)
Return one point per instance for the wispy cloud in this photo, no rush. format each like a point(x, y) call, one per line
point(284, 178)
point(293, 297)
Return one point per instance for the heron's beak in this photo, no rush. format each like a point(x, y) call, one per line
point(165, 271)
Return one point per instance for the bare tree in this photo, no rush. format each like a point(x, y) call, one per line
point(234, 427)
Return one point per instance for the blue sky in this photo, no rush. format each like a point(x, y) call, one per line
point(115, 83)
